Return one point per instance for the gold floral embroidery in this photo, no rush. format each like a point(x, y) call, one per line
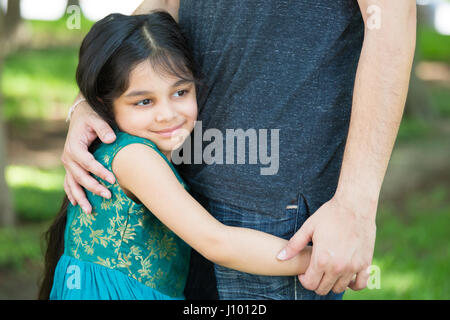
point(86, 219)
point(121, 235)
point(167, 247)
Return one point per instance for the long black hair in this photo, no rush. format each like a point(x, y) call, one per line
point(109, 52)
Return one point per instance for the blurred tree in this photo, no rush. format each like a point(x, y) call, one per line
point(419, 104)
point(9, 22)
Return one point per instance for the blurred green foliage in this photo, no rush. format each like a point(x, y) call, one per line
point(37, 193)
point(36, 82)
point(433, 46)
point(412, 248)
point(57, 32)
point(441, 99)
point(22, 245)
point(411, 129)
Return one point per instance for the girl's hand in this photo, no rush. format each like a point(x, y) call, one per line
point(85, 127)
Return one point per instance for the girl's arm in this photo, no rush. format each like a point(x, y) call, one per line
point(140, 170)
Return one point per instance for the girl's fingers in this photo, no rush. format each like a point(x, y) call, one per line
point(298, 241)
point(78, 193)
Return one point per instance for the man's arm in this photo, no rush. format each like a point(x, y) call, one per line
point(343, 229)
point(380, 92)
point(85, 126)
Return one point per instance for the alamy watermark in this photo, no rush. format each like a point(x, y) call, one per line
point(74, 19)
point(253, 142)
point(373, 17)
point(374, 281)
point(74, 279)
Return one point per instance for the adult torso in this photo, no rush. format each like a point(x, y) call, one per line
point(287, 65)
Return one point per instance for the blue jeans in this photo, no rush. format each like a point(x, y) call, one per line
point(209, 281)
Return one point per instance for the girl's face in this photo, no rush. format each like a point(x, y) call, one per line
point(162, 109)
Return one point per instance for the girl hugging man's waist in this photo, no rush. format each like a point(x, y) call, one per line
point(138, 75)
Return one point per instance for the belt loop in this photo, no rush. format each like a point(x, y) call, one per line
point(303, 205)
point(293, 204)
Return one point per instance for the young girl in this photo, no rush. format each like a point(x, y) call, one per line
point(138, 74)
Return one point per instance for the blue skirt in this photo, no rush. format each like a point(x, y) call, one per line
point(79, 280)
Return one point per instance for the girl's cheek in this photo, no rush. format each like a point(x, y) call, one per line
point(189, 111)
point(193, 111)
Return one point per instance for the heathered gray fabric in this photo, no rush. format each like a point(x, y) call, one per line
point(275, 64)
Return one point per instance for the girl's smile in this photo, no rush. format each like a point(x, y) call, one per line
point(158, 107)
point(170, 131)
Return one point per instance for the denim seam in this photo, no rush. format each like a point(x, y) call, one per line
point(295, 230)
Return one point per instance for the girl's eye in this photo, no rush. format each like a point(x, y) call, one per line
point(144, 102)
point(181, 93)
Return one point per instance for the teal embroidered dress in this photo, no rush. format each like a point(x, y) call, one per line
point(120, 250)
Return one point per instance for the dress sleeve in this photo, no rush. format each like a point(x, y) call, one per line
point(106, 152)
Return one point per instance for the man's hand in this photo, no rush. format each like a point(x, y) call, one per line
point(343, 242)
point(85, 127)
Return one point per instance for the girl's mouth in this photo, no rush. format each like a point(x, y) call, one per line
point(168, 132)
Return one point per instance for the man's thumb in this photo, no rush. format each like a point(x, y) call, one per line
point(296, 244)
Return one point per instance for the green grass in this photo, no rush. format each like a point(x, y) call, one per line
point(412, 249)
point(37, 196)
point(22, 245)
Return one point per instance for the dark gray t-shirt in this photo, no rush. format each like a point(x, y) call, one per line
point(284, 64)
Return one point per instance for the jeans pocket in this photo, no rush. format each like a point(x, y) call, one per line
point(281, 224)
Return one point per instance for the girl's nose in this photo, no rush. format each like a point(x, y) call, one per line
point(165, 114)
